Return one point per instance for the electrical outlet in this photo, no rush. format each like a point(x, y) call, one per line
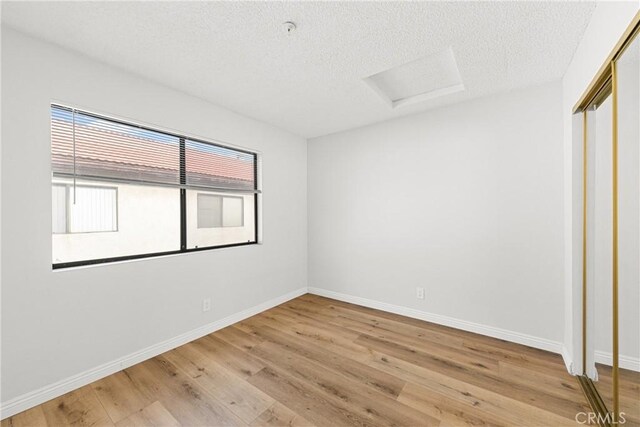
point(206, 304)
point(420, 293)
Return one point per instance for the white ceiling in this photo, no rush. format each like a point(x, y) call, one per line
point(237, 54)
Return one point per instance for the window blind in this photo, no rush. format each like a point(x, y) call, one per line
point(213, 166)
point(91, 147)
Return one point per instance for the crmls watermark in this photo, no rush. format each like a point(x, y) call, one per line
point(599, 419)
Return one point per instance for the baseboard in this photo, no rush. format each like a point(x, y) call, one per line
point(503, 334)
point(34, 398)
point(568, 361)
point(625, 362)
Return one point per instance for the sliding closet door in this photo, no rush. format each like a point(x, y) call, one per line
point(599, 231)
point(628, 118)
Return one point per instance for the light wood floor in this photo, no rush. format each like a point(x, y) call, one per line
point(316, 361)
point(629, 392)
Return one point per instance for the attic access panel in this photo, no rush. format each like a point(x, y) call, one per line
point(426, 78)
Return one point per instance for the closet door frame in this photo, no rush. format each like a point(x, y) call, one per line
point(603, 85)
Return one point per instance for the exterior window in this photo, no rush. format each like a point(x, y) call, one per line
point(209, 211)
point(95, 209)
point(123, 191)
point(59, 209)
point(220, 211)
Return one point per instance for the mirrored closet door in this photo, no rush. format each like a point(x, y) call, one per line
point(610, 115)
point(599, 247)
point(627, 73)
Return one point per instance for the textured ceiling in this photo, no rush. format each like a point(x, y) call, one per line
point(237, 54)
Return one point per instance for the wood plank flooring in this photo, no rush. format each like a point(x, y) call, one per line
point(317, 361)
point(629, 392)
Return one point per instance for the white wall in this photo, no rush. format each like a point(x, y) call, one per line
point(465, 201)
point(57, 324)
point(609, 21)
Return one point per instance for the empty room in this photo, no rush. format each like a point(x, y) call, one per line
point(320, 213)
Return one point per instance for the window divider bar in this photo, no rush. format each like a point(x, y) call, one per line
point(183, 196)
point(255, 197)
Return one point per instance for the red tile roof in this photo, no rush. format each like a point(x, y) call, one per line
point(111, 154)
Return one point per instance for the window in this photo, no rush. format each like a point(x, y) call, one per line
point(123, 191)
point(220, 211)
point(95, 209)
point(209, 211)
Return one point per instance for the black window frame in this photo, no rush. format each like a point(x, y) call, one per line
point(183, 197)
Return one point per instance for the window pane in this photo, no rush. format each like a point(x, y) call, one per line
point(144, 220)
point(215, 219)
